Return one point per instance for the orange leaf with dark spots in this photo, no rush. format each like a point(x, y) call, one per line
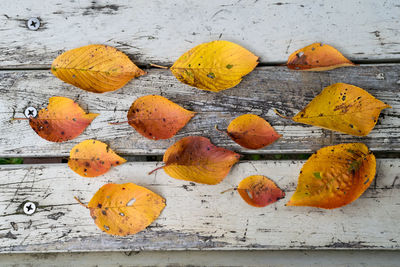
point(195, 159)
point(155, 117)
point(259, 191)
point(251, 131)
point(62, 120)
point(113, 213)
point(335, 176)
point(344, 108)
point(317, 57)
point(92, 158)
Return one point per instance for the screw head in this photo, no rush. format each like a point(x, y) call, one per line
point(30, 112)
point(29, 208)
point(33, 24)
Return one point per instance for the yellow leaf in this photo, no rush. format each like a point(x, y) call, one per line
point(335, 176)
point(113, 213)
point(344, 108)
point(95, 68)
point(214, 66)
point(317, 57)
point(194, 158)
point(92, 158)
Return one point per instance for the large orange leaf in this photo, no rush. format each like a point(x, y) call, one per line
point(344, 108)
point(156, 117)
point(195, 159)
point(95, 68)
point(259, 191)
point(113, 213)
point(214, 66)
point(62, 120)
point(317, 57)
point(251, 131)
point(335, 176)
point(92, 158)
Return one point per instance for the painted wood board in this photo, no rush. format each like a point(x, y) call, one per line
point(265, 89)
point(160, 31)
point(197, 216)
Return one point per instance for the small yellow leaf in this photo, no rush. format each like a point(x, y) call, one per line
point(91, 158)
point(113, 213)
point(317, 57)
point(335, 176)
point(95, 68)
point(214, 66)
point(344, 108)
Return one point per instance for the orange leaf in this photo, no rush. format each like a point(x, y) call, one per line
point(259, 191)
point(156, 117)
point(195, 159)
point(113, 213)
point(344, 108)
point(335, 176)
point(92, 158)
point(317, 57)
point(62, 120)
point(251, 131)
point(95, 68)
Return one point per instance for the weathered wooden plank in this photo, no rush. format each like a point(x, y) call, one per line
point(260, 92)
point(160, 31)
point(288, 258)
point(197, 216)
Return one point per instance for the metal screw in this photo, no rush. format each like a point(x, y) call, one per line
point(33, 24)
point(30, 112)
point(29, 208)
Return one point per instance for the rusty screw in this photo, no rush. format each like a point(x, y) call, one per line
point(33, 24)
point(29, 208)
point(30, 112)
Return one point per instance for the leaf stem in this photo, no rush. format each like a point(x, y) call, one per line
point(156, 169)
point(80, 202)
point(229, 190)
point(158, 66)
point(280, 115)
point(117, 123)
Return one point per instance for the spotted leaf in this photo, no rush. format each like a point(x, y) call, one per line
point(92, 158)
point(62, 120)
point(259, 191)
point(214, 66)
point(125, 209)
point(317, 57)
point(344, 108)
point(155, 117)
point(335, 176)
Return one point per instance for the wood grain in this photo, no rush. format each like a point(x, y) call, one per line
point(196, 216)
point(260, 92)
point(160, 31)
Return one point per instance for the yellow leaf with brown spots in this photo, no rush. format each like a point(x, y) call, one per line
point(62, 120)
point(92, 158)
point(155, 117)
point(344, 108)
point(317, 57)
point(214, 66)
point(125, 209)
point(95, 68)
point(335, 176)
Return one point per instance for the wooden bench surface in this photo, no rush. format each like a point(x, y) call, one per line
point(197, 216)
